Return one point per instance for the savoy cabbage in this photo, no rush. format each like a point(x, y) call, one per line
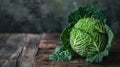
point(87, 34)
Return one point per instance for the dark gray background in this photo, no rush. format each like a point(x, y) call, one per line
point(38, 16)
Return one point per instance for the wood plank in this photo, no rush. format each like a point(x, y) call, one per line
point(18, 50)
point(48, 45)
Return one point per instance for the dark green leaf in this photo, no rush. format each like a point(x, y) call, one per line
point(61, 55)
point(86, 11)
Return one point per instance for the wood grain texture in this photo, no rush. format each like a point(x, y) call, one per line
point(18, 50)
point(47, 46)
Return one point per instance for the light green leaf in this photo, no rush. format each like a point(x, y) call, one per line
point(99, 56)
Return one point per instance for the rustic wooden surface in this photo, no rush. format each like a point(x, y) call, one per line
point(18, 50)
point(50, 41)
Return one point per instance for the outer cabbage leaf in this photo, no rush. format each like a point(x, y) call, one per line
point(98, 57)
point(86, 11)
point(65, 52)
point(60, 54)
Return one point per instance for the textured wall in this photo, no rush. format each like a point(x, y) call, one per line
point(37, 16)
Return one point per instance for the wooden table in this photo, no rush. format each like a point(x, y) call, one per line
point(18, 49)
point(50, 41)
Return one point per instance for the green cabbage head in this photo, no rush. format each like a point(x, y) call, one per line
point(87, 34)
point(88, 37)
